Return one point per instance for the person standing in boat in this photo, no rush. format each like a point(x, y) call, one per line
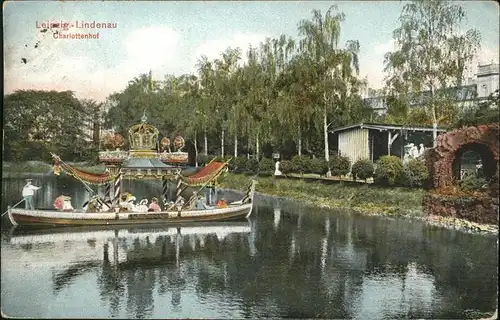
point(28, 192)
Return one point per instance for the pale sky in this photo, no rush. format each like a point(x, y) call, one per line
point(169, 37)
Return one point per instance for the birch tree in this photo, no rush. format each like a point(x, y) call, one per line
point(433, 54)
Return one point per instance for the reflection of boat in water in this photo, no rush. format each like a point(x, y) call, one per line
point(137, 268)
point(105, 233)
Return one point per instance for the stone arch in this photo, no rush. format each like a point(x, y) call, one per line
point(485, 154)
point(440, 160)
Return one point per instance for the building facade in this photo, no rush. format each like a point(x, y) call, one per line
point(478, 88)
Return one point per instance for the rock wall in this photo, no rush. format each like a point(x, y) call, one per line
point(440, 159)
point(480, 209)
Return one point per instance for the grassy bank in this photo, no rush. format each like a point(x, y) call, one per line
point(364, 198)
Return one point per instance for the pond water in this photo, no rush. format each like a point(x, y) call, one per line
point(287, 260)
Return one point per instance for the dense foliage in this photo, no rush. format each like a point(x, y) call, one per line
point(472, 183)
point(317, 166)
point(266, 166)
point(339, 165)
point(415, 173)
point(388, 171)
point(362, 169)
point(286, 167)
point(40, 122)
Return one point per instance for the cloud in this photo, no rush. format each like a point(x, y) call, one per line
point(383, 48)
point(150, 48)
point(55, 67)
point(372, 63)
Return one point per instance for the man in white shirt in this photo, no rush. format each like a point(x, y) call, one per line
point(28, 192)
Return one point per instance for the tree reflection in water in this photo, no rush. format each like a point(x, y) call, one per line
point(312, 264)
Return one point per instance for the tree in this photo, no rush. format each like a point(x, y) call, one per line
point(40, 122)
point(333, 66)
point(432, 55)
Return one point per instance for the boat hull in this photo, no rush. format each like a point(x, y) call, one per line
point(57, 218)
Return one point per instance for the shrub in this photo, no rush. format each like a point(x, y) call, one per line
point(266, 167)
point(252, 165)
point(415, 173)
point(389, 170)
point(301, 164)
point(318, 166)
point(472, 183)
point(362, 169)
point(238, 164)
point(339, 165)
point(286, 166)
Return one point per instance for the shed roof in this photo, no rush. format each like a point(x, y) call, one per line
point(384, 127)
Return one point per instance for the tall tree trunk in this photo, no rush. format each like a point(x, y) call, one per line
point(206, 142)
point(222, 144)
point(325, 132)
point(300, 141)
point(257, 146)
point(235, 145)
point(434, 119)
point(195, 150)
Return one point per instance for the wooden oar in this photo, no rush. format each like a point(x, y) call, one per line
point(12, 207)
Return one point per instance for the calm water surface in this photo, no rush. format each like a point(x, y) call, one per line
point(286, 261)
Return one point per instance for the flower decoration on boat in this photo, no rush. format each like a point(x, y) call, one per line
point(113, 141)
point(107, 141)
point(118, 140)
point(179, 142)
point(165, 144)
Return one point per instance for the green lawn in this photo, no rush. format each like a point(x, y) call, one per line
point(365, 198)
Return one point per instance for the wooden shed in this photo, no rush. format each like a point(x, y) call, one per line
point(372, 140)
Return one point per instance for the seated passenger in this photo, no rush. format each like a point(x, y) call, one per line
point(200, 203)
point(222, 203)
point(154, 205)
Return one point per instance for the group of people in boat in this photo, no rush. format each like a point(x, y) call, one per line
point(127, 202)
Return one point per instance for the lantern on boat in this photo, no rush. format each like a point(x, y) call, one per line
point(179, 143)
point(165, 144)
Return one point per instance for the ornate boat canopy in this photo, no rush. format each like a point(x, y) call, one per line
point(144, 168)
point(208, 173)
point(144, 143)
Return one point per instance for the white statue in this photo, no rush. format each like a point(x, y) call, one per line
point(407, 148)
point(277, 171)
point(422, 150)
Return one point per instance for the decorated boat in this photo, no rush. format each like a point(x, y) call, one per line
point(143, 162)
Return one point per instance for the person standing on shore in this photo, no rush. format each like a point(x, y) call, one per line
point(28, 192)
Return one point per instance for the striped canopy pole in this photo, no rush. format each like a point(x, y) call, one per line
point(165, 189)
point(118, 184)
point(107, 190)
point(179, 187)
